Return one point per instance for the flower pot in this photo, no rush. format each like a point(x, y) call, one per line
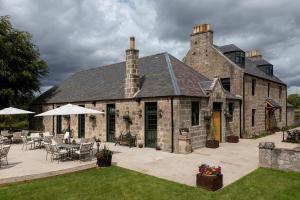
point(104, 162)
point(232, 139)
point(212, 144)
point(212, 183)
point(140, 145)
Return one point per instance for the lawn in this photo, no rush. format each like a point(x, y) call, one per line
point(119, 183)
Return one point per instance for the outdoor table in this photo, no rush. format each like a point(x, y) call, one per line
point(36, 140)
point(69, 148)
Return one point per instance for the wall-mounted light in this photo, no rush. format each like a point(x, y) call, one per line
point(94, 103)
point(160, 113)
point(140, 113)
point(117, 113)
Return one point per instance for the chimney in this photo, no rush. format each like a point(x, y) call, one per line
point(254, 54)
point(202, 34)
point(132, 79)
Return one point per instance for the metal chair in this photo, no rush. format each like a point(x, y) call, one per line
point(58, 153)
point(48, 149)
point(3, 153)
point(26, 142)
point(84, 149)
point(17, 137)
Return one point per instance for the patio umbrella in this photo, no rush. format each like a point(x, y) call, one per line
point(69, 109)
point(14, 111)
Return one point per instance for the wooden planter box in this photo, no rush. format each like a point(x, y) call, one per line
point(101, 162)
point(212, 183)
point(232, 139)
point(212, 144)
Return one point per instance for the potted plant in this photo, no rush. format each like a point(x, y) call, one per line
point(209, 177)
point(140, 145)
point(104, 157)
point(210, 141)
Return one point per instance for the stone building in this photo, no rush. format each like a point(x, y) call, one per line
point(246, 74)
point(153, 97)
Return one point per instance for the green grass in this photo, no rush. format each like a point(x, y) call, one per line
point(119, 183)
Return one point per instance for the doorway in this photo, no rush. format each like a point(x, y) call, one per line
point(111, 122)
point(150, 124)
point(216, 119)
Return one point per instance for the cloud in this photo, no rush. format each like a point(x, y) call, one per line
point(78, 34)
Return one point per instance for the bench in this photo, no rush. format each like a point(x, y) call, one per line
point(126, 139)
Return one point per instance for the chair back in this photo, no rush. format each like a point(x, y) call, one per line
point(34, 135)
point(54, 148)
point(4, 132)
point(85, 147)
point(46, 134)
point(17, 135)
point(5, 150)
point(25, 132)
point(48, 147)
point(48, 139)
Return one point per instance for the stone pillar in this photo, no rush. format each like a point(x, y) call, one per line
point(185, 145)
point(265, 154)
point(132, 79)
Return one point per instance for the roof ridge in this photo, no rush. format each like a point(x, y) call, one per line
point(172, 74)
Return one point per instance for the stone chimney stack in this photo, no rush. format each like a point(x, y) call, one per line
point(202, 34)
point(132, 79)
point(254, 54)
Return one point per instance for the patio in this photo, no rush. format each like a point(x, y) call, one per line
point(236, 161)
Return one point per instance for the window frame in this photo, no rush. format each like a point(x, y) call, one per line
point(195, 112)
point(227, 82)
point(269, 86)
point(253, 87)
point(253, 113)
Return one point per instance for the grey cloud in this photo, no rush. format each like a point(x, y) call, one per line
point(76, 34)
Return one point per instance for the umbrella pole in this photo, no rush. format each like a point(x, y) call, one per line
point(69, 129)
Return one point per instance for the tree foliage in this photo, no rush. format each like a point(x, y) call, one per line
point(21, 67)
point(294, 99)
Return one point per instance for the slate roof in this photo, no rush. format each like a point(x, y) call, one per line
point(260, 62)
point(161, 75)
point(229, 48)
point(251, 65)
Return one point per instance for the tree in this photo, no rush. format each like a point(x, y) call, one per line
point(21, 67)
point(294, 99)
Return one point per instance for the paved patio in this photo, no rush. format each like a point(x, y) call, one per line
point(236, 161)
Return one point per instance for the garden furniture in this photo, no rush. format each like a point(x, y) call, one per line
point(48, 149)
point(17, 137)
point(126, 139)
point(4, 152)
point(26, 142)
point(58, 153)
point(84, 149)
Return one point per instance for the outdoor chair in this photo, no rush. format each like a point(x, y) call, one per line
point(3, 153)
point(34, 135)
point(26, 142)
point(58, 153)
point(48, 149)
point(126, 139)
point(17, 137)
point(4, 132)
point(3, 140)
point(47, 134)
point(84, 149)
point(25, 132)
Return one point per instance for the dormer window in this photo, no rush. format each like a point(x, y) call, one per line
point(238, 57)
point(268, 69)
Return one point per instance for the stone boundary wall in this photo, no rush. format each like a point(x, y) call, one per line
point(278, 158)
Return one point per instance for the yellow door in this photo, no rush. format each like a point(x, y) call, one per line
point(217, 125)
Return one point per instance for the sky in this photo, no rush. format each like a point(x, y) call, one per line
point(74, 35)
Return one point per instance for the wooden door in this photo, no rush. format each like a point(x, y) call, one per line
point(217, 125)
point(150, 124)
point(111, 122)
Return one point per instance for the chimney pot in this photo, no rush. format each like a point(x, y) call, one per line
point(202, 28)
point(254, 54)
point(132, 43)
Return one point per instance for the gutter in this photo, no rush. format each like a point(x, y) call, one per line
point(172, 126)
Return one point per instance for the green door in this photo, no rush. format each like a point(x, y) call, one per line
point(81, 126)
point(150, 124)
point(111, 122)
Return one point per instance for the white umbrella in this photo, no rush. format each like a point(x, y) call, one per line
point(69, 109)
point(14, 111)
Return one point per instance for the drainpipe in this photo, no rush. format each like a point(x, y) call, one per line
point(172, 127)
point(240, 118)
point(286, 106)
point(243, 103)
point(52, 120)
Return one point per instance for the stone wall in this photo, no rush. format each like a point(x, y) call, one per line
point(258, 102)
point(278, 158)
point(290, 116)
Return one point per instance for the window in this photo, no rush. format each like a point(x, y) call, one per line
point(268, 89)
point(230, 111)
point(253, 86)
point(58, 124)
point(253, 117)
point(226, 83)
point(195, 113)
point(238, 57)
point(280, 91)
point(280, 114)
